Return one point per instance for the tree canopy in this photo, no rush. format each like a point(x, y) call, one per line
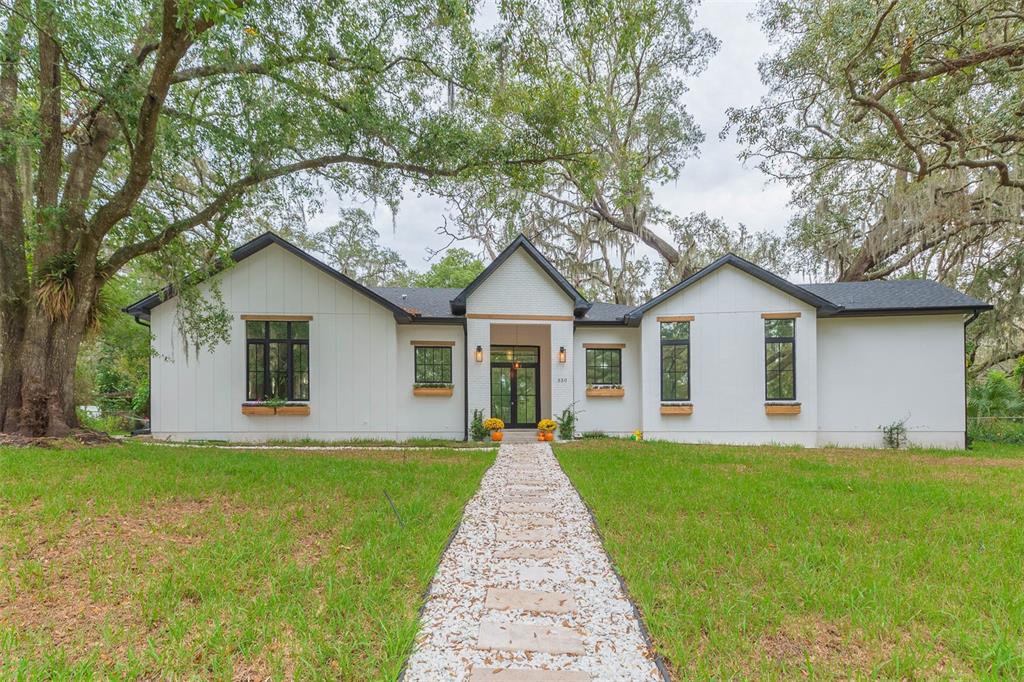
point(156, 130)
point(898, 126)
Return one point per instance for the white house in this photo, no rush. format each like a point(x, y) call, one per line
point(733, 354)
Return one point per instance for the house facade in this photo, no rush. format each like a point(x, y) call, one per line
point(733, 354)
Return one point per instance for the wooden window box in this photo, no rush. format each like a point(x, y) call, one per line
point(433, 390)
point(605, 392)
point(296, 410)
point(269, 410)
point(677, 409)
point(781, 408)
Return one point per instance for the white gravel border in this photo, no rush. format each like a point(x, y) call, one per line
point(614, 645)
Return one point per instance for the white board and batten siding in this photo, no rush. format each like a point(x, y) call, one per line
point(727, 377)
point(353, 359)
point(610, 415)
point(854, 375)
point(873, 371)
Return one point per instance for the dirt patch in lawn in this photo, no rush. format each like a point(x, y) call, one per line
point(65, 580)
point(808, 639)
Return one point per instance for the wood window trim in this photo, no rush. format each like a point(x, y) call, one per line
point(509, 316)
point(603, 346)
point(438, 344)
point(433, 390)
point(605, 392)
point(277, 318)
point(781, 408)
point(779, 316)
point(675, 318)
point(267, 410)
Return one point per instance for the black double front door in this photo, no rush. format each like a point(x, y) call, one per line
point(515, 385)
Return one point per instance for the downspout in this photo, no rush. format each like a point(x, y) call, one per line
point(465, 381)
point(972, 318)
point(149, 379)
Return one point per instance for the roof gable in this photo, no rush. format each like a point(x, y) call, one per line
point(824, 306)
point(142, 307)
point(580, 304)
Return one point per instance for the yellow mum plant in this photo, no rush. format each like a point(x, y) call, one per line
point(547, 425)
point(494, 424)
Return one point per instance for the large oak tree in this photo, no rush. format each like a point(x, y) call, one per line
point(899, 125)
point(151, 129)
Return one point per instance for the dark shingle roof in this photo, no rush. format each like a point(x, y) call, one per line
point(606, 312)
point(897, 295)
point(420, 300)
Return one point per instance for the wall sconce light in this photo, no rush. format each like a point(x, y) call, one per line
point(479, 354)
point(561, 354)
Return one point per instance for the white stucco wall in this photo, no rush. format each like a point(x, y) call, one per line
point(352, 359)
point(873, 371)
point(727, 381)
point(617, 416)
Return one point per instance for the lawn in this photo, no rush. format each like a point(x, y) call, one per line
point(783, 562)
point(196, 563)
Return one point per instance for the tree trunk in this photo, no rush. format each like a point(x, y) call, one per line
point(47, 369)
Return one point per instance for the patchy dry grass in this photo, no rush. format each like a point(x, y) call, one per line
point(152, 562)
point(778, 562)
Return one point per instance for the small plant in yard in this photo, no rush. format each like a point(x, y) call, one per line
point(894, 435)
point(547, 425)
point(637, 435)
point(567, 422)
point(477, 430)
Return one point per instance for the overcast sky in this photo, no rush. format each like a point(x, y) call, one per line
point(716, 182)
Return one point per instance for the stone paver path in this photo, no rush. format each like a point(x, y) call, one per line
point(525, 592)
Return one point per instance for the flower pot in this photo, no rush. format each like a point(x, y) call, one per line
point(497, 436)
point(540, 437)
point(549, 436)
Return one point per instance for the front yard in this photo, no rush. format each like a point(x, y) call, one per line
point(781, 562)
point(158, 562)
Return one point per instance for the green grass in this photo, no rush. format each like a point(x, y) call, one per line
point(372, 442)
point(773, 563)
point(146, 561)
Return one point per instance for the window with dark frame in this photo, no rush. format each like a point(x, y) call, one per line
point(433, 364)
point(276, 360)
point(604, 366)
point(780, 359)
point(675, 361)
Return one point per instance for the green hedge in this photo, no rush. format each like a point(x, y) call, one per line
point(997, 430)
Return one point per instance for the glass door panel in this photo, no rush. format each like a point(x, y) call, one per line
point(501, 393)
point(526, 396)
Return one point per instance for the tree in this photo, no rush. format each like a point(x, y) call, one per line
point(622, 67)
point(353, 245)
point(898, 127)
point(455, 270)
point(139, 131)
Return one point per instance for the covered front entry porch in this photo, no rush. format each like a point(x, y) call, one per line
point(520, 370)
point(520, 373)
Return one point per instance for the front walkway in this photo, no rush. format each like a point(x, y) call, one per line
point(525, 588)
